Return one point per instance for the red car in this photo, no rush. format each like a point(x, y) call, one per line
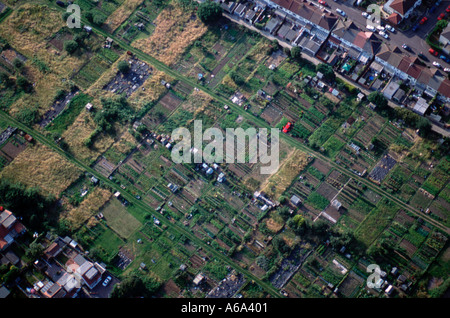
point(441, 16)
point(287, 127)
point(433, 52)
point(322, 2)
point(424, 19)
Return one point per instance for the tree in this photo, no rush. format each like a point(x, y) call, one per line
point(18, 63)
point(186, 4)
point(35, 250)
point(98, 19)
point(124, 67)
point(296, 52)
point(27, 203)
point(209, 11)
point(6, 80)
point(327, 71)
point(135, 286)
point(70, 46)
point(280, 245)
point(23, 84)
point(378, 100)
point(237, 78)
point(424, 126)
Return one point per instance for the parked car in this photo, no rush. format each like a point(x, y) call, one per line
point(414, 28)
point(407, 48)
point(441, 16)
point(322, 2)
point(366, 15)
point(370, 27)
point(341, 12)
point(424, 19)
point(390, 28)
point(383, 34)
point(106, 281)
point(287, 127)
point(433, 52)
point(437, 64)
point(445, 58)
point(447, 70)
point(423, 57)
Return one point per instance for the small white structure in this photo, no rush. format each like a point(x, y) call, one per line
point(89, 107)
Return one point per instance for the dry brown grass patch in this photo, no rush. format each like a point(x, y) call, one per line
point(153, 89)
point(121, 14)
point(81, 129)
point(27, 30)
point(84, 212)
point(277, 183)
point(175, 31)
point(274, 224)
point(197, 102)
point(39, 166)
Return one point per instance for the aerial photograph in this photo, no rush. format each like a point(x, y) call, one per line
point(202, 150)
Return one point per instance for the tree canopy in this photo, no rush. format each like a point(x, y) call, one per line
point(378, 100)
point(135, 285)
point(327, 71)
point(209, 11)
point(123, 67)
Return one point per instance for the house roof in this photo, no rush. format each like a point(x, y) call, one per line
point(9, 228)
point(414, 71)
point(272, 24)
point(309, 12)
point(53, 250)
point(421, 106)
point(367, 41)
point(444, 88)
point(446, 32)
point(4, 292)
point(346, 30)
point(402, 6)
point(394, 18)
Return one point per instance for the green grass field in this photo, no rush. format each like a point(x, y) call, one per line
point(118, 218)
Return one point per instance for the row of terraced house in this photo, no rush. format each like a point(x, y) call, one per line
point(312, 27)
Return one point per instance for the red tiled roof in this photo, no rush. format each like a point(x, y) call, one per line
point(394, 18)
point(402, 6)
point(444, 89)
point(360, 39)
point(414, 71)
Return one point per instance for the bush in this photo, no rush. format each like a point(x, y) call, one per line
point(123, 67)
point(18, 63)
point(98, 19)
point(70, 46)
point(23, 84)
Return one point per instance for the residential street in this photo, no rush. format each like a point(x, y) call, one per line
point(415, 40)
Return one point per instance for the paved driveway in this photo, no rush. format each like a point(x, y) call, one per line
point(100, 291)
